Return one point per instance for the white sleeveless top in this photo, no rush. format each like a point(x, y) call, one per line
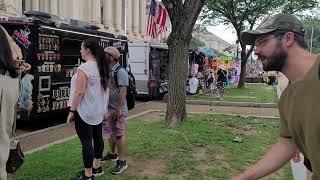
point(94, 103)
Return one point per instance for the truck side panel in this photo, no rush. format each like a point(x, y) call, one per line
point(139, 63)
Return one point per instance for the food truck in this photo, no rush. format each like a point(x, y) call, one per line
point(51, 45)
point(149, 64)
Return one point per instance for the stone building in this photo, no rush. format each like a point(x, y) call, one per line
point(110, 15)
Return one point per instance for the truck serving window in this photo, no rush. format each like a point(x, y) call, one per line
point(70, 51)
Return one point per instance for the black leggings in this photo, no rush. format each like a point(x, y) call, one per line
point(86, 133)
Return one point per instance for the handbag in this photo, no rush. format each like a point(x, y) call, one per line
point(16, 156)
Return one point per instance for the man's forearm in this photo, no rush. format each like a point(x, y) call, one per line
point(276, 157)
point(122, 96)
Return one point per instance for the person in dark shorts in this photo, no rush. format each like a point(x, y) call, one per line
point(115, 123)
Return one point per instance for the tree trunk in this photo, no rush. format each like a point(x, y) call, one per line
point(178, 65)
point(242, 74)
point(183, 15)
point(244, 59)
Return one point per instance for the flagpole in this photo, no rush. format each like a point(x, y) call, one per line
point(125, 17)
point(311, 39)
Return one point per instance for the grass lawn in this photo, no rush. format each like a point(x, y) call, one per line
point(257, 93)
point(202, 148)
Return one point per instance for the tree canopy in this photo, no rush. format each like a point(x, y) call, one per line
point(244, 14)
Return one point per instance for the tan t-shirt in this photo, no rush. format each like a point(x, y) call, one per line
point(299, 108)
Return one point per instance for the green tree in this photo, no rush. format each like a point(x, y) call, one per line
point(183, 15)
point(244, 14)
point(312, 26)
point(296, 6)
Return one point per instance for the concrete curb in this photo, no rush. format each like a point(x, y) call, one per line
point(132, 117)
point(230, 103)
point(227, 114)
point(63, 125)
point(41, 131)
point(50, 144)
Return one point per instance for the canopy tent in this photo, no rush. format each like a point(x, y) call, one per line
point(209, 52)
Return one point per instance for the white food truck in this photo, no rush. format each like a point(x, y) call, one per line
point(149, 64)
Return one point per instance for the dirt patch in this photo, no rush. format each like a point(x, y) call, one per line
point(209, 178)
point(223, 161)
point(153, 117)
point(275, 176)
point(199, 153)
point(150, 167)
point(246, 130)
point(203, 167)
point(176, 177)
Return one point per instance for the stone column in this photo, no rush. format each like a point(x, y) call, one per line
point(44, 6)
point(18, 7)
point(10, 7)
point(142, 15)
point(54, 7)
point(28, 5)
point(135, 16)
point(77, 10)
point(129, 18)
point(96, 12)
point(62, 8)
point(69, 10)
point(118, 15)
point(35, 5)
point(86, 10)
point(107, 15)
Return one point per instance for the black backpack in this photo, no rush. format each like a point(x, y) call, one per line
point(131, 89)
point(210, 80)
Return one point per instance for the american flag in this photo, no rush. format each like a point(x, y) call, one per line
point(157, 19)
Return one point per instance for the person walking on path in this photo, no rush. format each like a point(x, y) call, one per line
point(281, 46)
point(9, 94)
point(88, 104)
point(222, 76)
point(115, 123)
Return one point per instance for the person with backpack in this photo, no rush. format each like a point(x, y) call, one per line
point(115, 122)
point(220, 81)
point(211, 81)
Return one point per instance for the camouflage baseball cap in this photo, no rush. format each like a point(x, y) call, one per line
point(277, 22)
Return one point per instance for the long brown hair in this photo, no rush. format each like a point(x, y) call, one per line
point(6, 60)
point(102, 61)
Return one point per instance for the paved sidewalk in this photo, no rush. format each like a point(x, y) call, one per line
point(50, 135)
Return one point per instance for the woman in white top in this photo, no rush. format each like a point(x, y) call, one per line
point(9, 94)
point(88, 104)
